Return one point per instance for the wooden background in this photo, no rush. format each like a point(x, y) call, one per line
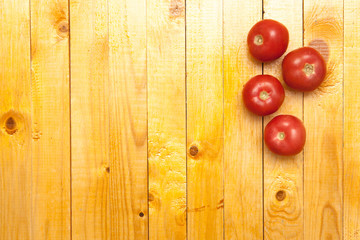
point(123, 120)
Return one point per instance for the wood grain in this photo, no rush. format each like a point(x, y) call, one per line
point(283, 218)
point(166, 119)
point(243, 130)
point(128, 120)
point(15, 120)
point(323, 115)
point(351, 120)
point(90, 119)
point(204, 58)
point(50, 120)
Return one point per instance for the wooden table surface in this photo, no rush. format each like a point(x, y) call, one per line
point(124, 120)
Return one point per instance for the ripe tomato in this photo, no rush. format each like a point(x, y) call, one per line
point(263, 94)
point(304, 69)
point(285, 135)
point(268, 40)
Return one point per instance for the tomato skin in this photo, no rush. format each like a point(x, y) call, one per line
point(275, 40)
point(260, 87)
point(294, 69)
point(294, 135)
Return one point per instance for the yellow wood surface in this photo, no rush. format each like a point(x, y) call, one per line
point(323, 118)
point(90, 119)
point(243, 182)
point(204, 67)
point(166, 119)
point(283, 216)
point(15, 120)
point(128, 120)
point(50, 197)
point(124, 120)
point(351, 120)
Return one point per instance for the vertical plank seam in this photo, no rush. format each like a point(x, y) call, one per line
point(343, 124)
point(70, 150)
point(186, 126)
point(262, 143)
point(109, 119)
point(31, 107)
point(147, 120)
point(223, 107)
point(303, 119)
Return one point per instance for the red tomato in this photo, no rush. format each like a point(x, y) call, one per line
point(263, 94)
point(304, 69)
point(268, 40)
point(285, 135)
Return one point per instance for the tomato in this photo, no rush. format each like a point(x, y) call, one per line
point(268, 40)
point(263, 94)
point(304, 69)
point(285, 135)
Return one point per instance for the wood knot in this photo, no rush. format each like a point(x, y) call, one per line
point(141, 214)
point(322, 47)
point(180, 216)
point(107, 169)
point(12, 122)
point(280, 195)
point(176, 8)
point(63, 29)
point(10, 126)
point(194, 150)
point(151, 197)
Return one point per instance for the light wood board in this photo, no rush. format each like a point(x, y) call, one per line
point(166, 119)
point(323, 117)
point(283, 176)
point(128, 120)
point(50, 86)
point(90, 119)
point(205, 96)
point(243, 169)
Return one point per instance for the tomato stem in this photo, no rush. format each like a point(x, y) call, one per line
point(281, 135)
point(258, 40)
point(264, 95)
point(308, 69)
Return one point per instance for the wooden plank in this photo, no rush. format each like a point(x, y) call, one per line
point(351, 120)
point(243, 130)
point(204, 59)
point(128, 120)
point(15, 120)
point(166, 119)
point(323, 115)
point(283, 176)
point(50, 120)
point(90, 119)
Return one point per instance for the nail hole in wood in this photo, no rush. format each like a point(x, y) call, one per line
point(193, 150)
point(141, 214)
point(280, 195)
